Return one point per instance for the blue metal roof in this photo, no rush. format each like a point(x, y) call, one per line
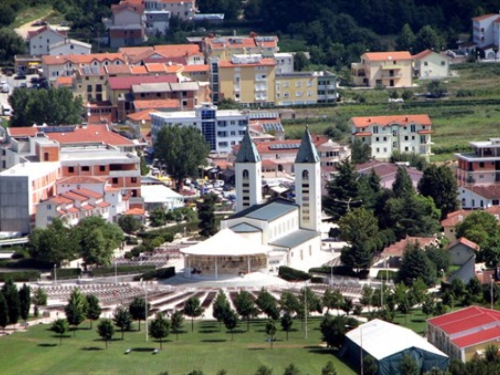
point(268, 211)
point(295, 239)
point(245, 228)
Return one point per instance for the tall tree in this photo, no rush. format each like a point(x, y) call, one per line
point(122, 319)
point(370, 366)
point(159, 328)
point(182, 150)
point(129, 224)
point(408, 365)
point(439, 183)
point(415, 265)
point(402, 186)
point(192, 308)
point(480, 227)
point(39, 299)
point(267, 304)
point(406, 40)
point(60, 326)
point(4, 312)
point(333, 330)
point(428, 38)
point(137, 309)
point(25, 301)
point(206, 209)
point(76, 309)
point(231, 321)
point(361, 152)
point(93, 308)
point(220, 307)
point(11, 294)
point(271, 331)
point(106, 330)
point(289, 302)
point(300, 61)
point(11, 44)
point(176, 322)
point(329, 369)
point(332, 299)
point(245, 306)
point(286, 323)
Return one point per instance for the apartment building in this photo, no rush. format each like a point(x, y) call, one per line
point(70, 46)
point(388, 134)
point(185, 54)
point(486, 30)
point(183, 9)
point(225, 47)
point(222, 129)
point(302, 88)
point(66, 65)
point(127, 26)
point(391, 69)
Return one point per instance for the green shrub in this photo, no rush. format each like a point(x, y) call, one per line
point(387, 275)
point(102, 271)
point(291, 274)
point(317, 280)
point(160, 274)
point(66, 273)
point(340, 271)
point(132, 241)
point(20, 276)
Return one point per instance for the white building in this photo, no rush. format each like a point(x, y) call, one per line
point(184, 9)
point(160, 196)
point(431, 65)
point(486, 30)
point(388, 134)
point(157, 22)
point(40, 40)
point(70, 46)
point(284, 62)
point(222, 129)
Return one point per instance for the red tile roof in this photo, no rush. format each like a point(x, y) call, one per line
point(125, 83)
point(465, 319)
point(464, 241)
point(363, 134)
point(402, 120)
point(135, 212)
point(82, 59)
point(230, 64)
point(33, 33)
point(397, 249)
point(87, 193)
point(477, 337)
point(142, 115)
point(91, 134)
point(424, 53)
point(195, 68)
point(427, 131)
point(456, 217)
point(484, 16)
point(157, 104)
point(59, 200)
point(385, 56)
point(74, 196)
point(488, 192)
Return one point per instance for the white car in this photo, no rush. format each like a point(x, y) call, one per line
point(6, 110)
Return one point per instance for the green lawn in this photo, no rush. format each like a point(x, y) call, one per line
point(208, 349)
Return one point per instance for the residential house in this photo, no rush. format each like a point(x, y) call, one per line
point(465, 333)
point(391, 69)
point(486, 34)
point(266, 124)
point(183, 9)
point(431, 65)
point(387, 172)
point(185, 54)
point(70, 46)
point(303, 88)
point(397, 133)
point(394, 253)
point(463, 253)
point(127, 24)
point(453, 219)
point(157, 22)
point(40, 40)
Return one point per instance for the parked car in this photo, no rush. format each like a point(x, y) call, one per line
point(6, 110)
point(23, 85)
point(20, 75)
point(4, 86)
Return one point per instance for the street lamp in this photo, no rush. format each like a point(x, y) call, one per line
point(146, 308)
point(305, 311)
point(55, 274)
point(116, 274)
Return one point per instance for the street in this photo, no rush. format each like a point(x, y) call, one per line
point(12, 84)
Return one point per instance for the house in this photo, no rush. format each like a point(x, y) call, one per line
point(394, 253)
point(387, 172)
point(391, 69)
point(183, 9)
point(465, 333)
point(127, 24)
point(463, 253)
point(157, 22)
point(299, 88)
point(70, 46)
point(225, 47)
point(456, 217)
point(40, 40)
point(431, 65)
point(185, 54)
point(486, 33)
point(388, 343)
point(396, 133)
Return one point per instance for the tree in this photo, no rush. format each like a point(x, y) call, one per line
point(333, 329)
point(159, 328)
point(491, 354)
point(264, 370)
point(53, 106)
point(106, 330)
point(176, 322)
point(60, 327)
point(11, 44)
point(122, 319)
point(11, 295)
point(370, 366)
point(206, 215)
point(4, 312)
point(291, 369)
point(227, 103)
point(436, 89)
point(39, 299)
point(220, 307)
point(361, 152)
point(286, 323)
point(406, 39)
point(366, 296)
point(157, 217)
point(329, 369)
point(415, 265)
point(479, 227)
point(440, 257)
point(137, 309)
point(129, 224)
point(300, 61)
point(347, 305)
point(408, 365)
point(267, 304)
point(439, 183)
point(182, 150)
point(231, 321)
point(271, 331)
point(289, 302)
point(402, 185)
point(144, 166)
point(192, 309)
point(428, 38)
point(25, 301)
point(93, 308)
point(7, 15)
point(76, 309)
point(428, 306)
point(245, 306)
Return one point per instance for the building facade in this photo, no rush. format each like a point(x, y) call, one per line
point(379, 69)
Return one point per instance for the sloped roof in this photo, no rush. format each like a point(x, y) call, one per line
point(488, 192)
point(307, 152)
point(456, 217)
point(464, 241)
point(126, 82)
point(81, 180)
point(484, 16)
point(247, 152)
point(226, 243)
point(268, 211)
point(295, 238)
point(465, 319)
point(381, 339)
point(387, 56)
point(404, 120)
point(144, 104)
point(245, 228)
point(477, 337)
point(397, 249)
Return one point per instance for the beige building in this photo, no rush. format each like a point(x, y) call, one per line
point(391, 69)
point(225, 48)
point(431, 65)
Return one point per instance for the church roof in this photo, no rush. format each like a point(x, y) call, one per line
point(268, 211)
point(307, 152)
point(248, 152)
point(295, 239)
point(245, 228)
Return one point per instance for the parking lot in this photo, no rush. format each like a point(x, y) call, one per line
point(13, 83)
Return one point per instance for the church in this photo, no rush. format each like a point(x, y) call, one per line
point(269, 234)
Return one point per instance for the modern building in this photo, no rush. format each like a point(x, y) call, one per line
point(388, 343)
point(398, 133)
point(222, 129)
point(40, 40)
point(486, 30)
point(465, 333)
point(225, 47)
point(431, 65)
point(379, 69)
point(305, 88)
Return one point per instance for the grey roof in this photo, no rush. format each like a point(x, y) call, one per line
point(296, 238)
point(245, 228)
point(150, 87)
point(248, 152)
point(184, 86)
point(268, 211)
point(466, 272)
point(307, 151)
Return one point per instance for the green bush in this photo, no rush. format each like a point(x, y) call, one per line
point(387, 275)
point(340, 271)
point(26, 263)
point(20, 276)
point(291, 274)
point(317, 280)
point(102, 271)
point(66, 273)
point(160, 274)
point(132, 241)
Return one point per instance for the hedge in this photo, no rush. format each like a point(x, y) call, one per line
point(20, 276)
point(160, 274)
point(387, 275)
point(66, 273)
point(291, 274)
point(105, 271)
point(26, 263)
point(340, 271)
point(170, 231)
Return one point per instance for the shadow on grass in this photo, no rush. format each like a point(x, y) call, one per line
point(418, 320)
point(208, 330)
point(214, 340)
point(143, 349)
point(47, 345)
point(64, 336)
point(91, 348)
point(320, 350)
point(238, 331)
point(256, 348)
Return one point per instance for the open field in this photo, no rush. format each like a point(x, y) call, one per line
point(37, 351)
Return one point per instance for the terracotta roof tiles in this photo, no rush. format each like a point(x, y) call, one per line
point(388, 56)
point(402, 120)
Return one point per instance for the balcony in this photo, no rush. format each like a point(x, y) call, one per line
point(387, 75)
point(328, 87)
point(124, 173)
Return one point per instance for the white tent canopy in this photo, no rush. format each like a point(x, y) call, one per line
point(226, 243)
point(382, 339)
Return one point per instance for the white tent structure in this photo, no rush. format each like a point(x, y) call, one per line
point(388, 343)
point(225, 253)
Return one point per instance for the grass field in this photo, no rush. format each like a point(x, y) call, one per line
point(37, 351)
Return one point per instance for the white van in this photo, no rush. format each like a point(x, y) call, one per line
point(6, 110)
point(5, 87)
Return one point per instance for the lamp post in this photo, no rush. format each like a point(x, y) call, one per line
point(361, 349)
point(55, 273)
point(145, 308)
point(116, 274)
point(305, 311)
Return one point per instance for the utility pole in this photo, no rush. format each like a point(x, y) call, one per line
point(305, 311)
point(491, 292)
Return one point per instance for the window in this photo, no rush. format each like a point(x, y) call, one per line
point(406, 137)
point(245, 174)
point(89, 88)
point(413, 128)
point(114, 180)
point(426, 63)
point(375, 129)
point(377, 139)
point(102, 168)
point(71, 169)
point(85, 168)
point(298, 84)
point(481, 164)
point(133, 180)
point(305, 175)
point(443, 63)
point(49, 207)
